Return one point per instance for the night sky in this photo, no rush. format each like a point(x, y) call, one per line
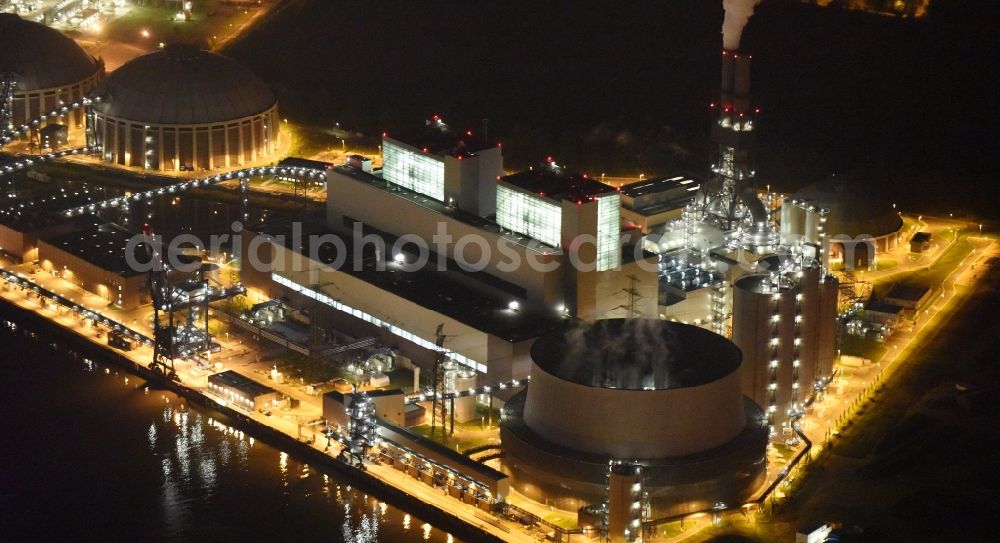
point(903, 106)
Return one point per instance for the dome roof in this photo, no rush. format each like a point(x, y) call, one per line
point(42, 57)
point(854, 209)
point(181, 84)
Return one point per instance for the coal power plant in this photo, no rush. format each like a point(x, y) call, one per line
point(659, 396)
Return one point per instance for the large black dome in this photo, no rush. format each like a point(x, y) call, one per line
point(855, 209)
point(41, 57)
point(183, 85)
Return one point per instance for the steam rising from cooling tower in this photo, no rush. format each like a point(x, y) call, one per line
point(738, 13)
point(637, 354)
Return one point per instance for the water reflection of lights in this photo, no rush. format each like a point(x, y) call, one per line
point(283, 464)
point(427, 531)
point(406, 521)
point(365, 532)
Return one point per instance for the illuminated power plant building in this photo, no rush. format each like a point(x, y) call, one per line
point(181, 108)
point(759, 273)
point(488, 278)
point(661, 396)
point(48, 68)
point(650, 203)
point(460, 187)
point(453, 170)
point(572, 212)
point(722, 232)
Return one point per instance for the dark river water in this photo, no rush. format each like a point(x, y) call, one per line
point(88, 453)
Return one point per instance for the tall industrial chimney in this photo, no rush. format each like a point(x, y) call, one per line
point(732, 130)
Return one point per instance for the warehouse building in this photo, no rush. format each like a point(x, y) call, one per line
point(94, 259)
point(36, 216)
point(243, 392)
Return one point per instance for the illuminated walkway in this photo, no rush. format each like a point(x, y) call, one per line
point(243, 175)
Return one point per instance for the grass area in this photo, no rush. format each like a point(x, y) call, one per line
point(562, 521)
point(457, 441)
point(786, 452)
point(303, 369)
point(923, 451)
point(211, 21)
point(467, 434)
point(934, 274)
point(670, 529)
point(858, 346)
point(885, 264)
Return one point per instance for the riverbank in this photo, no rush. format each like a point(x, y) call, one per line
point(303, 451)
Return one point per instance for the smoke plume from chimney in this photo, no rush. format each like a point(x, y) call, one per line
point(738, 12)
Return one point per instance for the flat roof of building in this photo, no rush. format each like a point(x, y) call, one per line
point(653, 196)
point(556, 183)
point(41, 211)
point(375, 180)
point(439, 138)
point(921, 237)
point(299, 162)
point(441, 454)
point(238, 381)
point(659, 184)
point(374, 393)
point(103, 245)
point(445, 291)
point(881, 307)
point(911, 293)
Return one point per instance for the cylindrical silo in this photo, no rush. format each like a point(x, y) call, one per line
point(793, 219)
point(764, 310)
point(812, 227)
point(827, 346)
point(465, 407)
point(808, 278)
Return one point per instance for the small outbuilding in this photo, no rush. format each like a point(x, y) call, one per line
point(920, 242)
point(243, 392)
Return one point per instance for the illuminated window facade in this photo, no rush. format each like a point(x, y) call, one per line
point(608, 231)
point(411, 169)
point(529, 215)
